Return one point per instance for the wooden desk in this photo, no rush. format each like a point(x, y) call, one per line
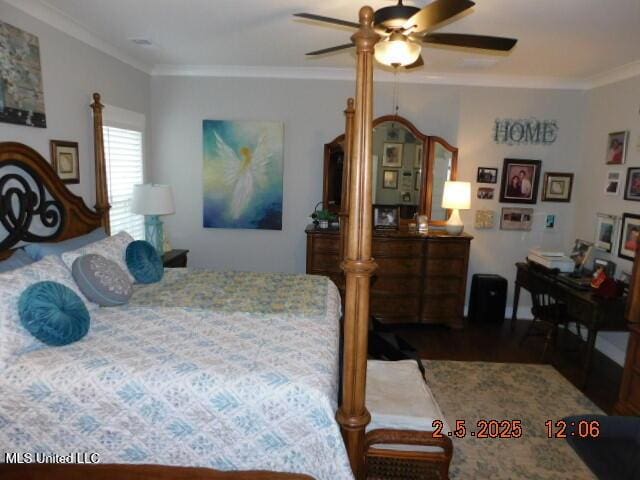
point(594, 313)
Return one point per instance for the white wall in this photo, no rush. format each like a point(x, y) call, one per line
point(71, 72)
point(611, 108)
point(312, 113)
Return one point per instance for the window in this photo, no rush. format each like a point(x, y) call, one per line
point(124, 160)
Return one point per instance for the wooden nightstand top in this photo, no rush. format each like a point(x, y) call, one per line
point(175, 258)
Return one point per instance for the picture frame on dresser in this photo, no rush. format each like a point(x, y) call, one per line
point(386, 217)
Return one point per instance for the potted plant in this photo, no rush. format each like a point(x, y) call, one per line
point(322, 218)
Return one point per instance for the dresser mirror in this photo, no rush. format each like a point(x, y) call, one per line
point(409, 169)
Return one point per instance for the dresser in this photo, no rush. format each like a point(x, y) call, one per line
point(420, 278)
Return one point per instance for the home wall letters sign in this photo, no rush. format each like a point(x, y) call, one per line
point(525, 131)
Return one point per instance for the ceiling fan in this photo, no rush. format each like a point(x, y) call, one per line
point(403, 28)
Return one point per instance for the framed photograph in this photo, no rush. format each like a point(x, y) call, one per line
point(417, 180)
point(607, 266)
point(407, 179)
point(487, 175)
point(390, 179)
point(386, 217)
point(629, 236)
point(392, 154)
point(581, 253)
point(557, 187)
point(520, 181)
point(632, 189)
point(617, 148)
point(605, 232)
point(485, 193)
point(516, 219)
point(550, 221)
point(405, 196)
point(612, 187)
point(485, 219)
point(65, 161)
point(417, 160)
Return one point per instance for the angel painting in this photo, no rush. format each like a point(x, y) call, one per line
point(242, 174)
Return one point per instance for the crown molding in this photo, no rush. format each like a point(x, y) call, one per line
point(347, 74)
point(614, 75)
point(59, 20)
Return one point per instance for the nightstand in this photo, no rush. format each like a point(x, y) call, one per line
point(175, 258)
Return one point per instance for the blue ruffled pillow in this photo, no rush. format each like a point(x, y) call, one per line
point(143, 262)
point(53, 313)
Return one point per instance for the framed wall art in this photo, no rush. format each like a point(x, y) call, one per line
point(485, 219)
point(417, 160)
point(632, 188)
point(520, 181)
point(605, 232)
point(487, 175)
point(629, 236)
point(392, 154)
point(617, 148)
point(21, 90)
point(516, 219)
point(65, 161)
point(390, 179)
point(485, 193)
point(612, 185)
point(243, 163)
point(557, 187)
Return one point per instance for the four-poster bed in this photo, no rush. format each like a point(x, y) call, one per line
point(69, 218)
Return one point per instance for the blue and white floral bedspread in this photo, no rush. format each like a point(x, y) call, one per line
point(186, 386)
point(266, 293)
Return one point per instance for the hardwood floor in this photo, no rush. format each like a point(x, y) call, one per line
point(497, 343)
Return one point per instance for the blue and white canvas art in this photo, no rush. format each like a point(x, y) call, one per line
point(242, 174)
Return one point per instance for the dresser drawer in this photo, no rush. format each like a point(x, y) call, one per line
point(395, 306)
point(447, 250)
point(445, 267)
point(442, 285)
point(399, 266)
point(326, 244)
point(437, 307)
point(325, 262)
point(396, 248)
point(395, 285)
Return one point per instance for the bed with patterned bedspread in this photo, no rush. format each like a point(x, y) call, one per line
point(224, 370)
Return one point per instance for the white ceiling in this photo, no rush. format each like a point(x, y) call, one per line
point(566, 40)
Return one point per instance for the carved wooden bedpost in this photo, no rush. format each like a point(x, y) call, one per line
point(346, 178)
point(102, 190)
point(358, 264)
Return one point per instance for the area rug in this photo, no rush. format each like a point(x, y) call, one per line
point(474, 391)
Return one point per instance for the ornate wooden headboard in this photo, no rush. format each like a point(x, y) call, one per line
point(36, 206)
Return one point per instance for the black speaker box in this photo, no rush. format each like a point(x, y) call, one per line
point(488, 299)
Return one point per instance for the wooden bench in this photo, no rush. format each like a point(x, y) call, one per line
point(399, 443)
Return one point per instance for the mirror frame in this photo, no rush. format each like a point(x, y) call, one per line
point(429, 142)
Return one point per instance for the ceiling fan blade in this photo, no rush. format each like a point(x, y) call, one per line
point(435, 13)
point(485, 42)
point(331, 49)
point(320, 18)
point(416, 64)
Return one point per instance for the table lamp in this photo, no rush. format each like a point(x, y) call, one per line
point(152, 201)
point(456, 196)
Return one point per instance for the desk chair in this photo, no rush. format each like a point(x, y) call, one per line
point(548, 310)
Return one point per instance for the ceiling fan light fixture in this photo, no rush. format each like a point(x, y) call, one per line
point(397, 51)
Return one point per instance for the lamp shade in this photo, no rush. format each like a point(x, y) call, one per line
point(150, 199)
point(457, 195)
point(397, 51)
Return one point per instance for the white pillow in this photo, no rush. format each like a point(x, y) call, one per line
point(14, 338)
point(113, 248)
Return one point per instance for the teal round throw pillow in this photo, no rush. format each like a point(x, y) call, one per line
point(143, 262)
point(53, 313)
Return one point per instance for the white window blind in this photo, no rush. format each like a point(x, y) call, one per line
point(125, 167)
